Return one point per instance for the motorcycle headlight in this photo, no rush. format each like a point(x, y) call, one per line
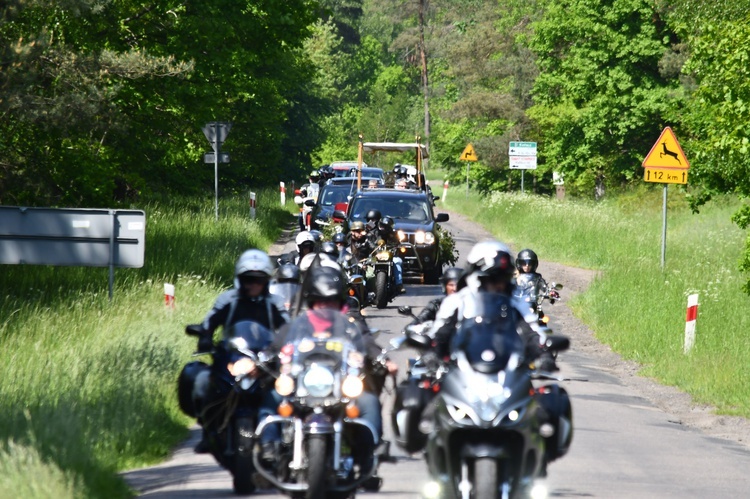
point(284, 385)
point(383, 256)
point(241, 367)
point(352, 386)
point(318, 381)
point(401, 235)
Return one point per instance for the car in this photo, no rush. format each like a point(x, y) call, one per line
point(342, 168)
point(414, 222)
point(369, 171)
point(337, 191)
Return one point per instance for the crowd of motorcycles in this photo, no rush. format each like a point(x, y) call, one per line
point(487, 420)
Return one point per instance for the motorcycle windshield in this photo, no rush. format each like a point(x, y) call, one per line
point(256, 336)
point(287, 291)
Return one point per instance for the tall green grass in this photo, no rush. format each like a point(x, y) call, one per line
point(634, 305)
point(88, 386)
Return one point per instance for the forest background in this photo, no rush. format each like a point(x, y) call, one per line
point(102, 101)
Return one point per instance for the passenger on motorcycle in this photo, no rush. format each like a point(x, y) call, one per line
point(248, 300)
point(305, 241)
point(449, 283)
point(324, 292)
point(490, 270)
point(308, 191)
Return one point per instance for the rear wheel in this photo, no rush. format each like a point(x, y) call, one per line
point(381, 289)
point(485, 478)
point(316, 466)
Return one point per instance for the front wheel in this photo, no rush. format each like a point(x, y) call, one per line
point(317, 459)
point(381, 289)
point(485, 478)
point(243, 468)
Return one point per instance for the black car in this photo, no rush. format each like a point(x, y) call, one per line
point(336, 190)
point(415, 224)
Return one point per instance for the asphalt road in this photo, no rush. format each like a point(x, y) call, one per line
point(624, 446)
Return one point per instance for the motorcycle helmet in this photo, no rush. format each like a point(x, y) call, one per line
point(527, 257)
point(451, 274)
point(314, 176)
point(386, 224)
point(252, 263)
point(306, 239)
point(287, 272)
point(340, 238)
point(373, 216)
point(356, 226)
point(329, 248)
point(490, 259)
point(324, 283)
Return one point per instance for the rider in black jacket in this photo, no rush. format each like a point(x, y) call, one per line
point(449, 282)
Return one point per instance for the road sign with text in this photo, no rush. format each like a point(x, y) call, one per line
point(665, 175)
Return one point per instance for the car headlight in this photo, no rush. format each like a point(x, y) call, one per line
point(401, 235)
point(429, 238)
point(318, 381)
point(419, 237)
point(241, 367)
point(352, 386)
point(422, 237)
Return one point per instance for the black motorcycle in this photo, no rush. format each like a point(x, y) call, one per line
point(326, 449)
point(494, 430)
point(380, 274)
point(228, 410)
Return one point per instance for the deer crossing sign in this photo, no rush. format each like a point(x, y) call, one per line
point(666, 162)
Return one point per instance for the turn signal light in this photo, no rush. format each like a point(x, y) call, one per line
point(284, 409)
point(352, 411)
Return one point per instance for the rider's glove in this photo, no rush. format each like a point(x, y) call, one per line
point(546, 363)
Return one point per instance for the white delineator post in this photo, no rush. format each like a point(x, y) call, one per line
point(252, 205)
point(445, 190)
point(690, 320)
point(169, 295)
point(282, 190)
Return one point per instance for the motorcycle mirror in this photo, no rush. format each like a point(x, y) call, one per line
point(557, 343)
point(556, 286)
point(309, 202)
point(418, 340)
point(194, 330)
point(380, 242)
point(404, 310)
point(339, 214)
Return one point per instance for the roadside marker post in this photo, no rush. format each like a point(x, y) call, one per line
point(690, 319)
point(445, 190)
point(169, 295)
point(282, 191)
point(252, 205)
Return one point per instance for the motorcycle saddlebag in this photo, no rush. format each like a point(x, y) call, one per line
point(556, 403)
point(185, 384)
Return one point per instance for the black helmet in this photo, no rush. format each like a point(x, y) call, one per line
point(451, 274)
point(287, 272)
point(527, 257)
point(339, 238)
point(386, 224)
point(373, 215)
point(315, 175)
point(324, 284)
point(329, 248)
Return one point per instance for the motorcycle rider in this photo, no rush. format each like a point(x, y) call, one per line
point(249, 299)
point(372, 217)
point(305, 241)
point(385, 232)
point(361, 245)
point(449, 283)
point(339, 239)
point(490, 270)
point(308, 191)
point(324, 292)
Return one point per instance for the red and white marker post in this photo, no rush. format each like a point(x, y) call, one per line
point(445, 190)
point(690, 320)
point(169, 295)
point(282, 191)
point(252, 205)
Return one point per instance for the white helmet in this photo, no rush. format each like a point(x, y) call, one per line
point(304, 237)
point(253, 262)
point(490, 258)
point(324, 260)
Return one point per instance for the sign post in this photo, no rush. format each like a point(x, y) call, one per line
point(469, 154)
point(666, 164)
point(216, 132)
point(522, 156)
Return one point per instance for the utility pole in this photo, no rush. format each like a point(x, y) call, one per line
point(425, 87)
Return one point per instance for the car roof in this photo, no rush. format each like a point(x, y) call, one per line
point(344, 165)
point(351, 180)
point(389, 192)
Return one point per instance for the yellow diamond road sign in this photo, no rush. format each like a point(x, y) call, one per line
point(666, 153)
point(469, 154)
point(665, 175)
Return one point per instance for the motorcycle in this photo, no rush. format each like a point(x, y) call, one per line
point(322, 454)
point(380, 274)
point(409, 419)
point(534, 290)
point(494, 430)
point(228, 412)
point(356, 285)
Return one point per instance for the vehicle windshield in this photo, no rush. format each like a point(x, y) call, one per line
point(338, 194)
point(406, 210)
